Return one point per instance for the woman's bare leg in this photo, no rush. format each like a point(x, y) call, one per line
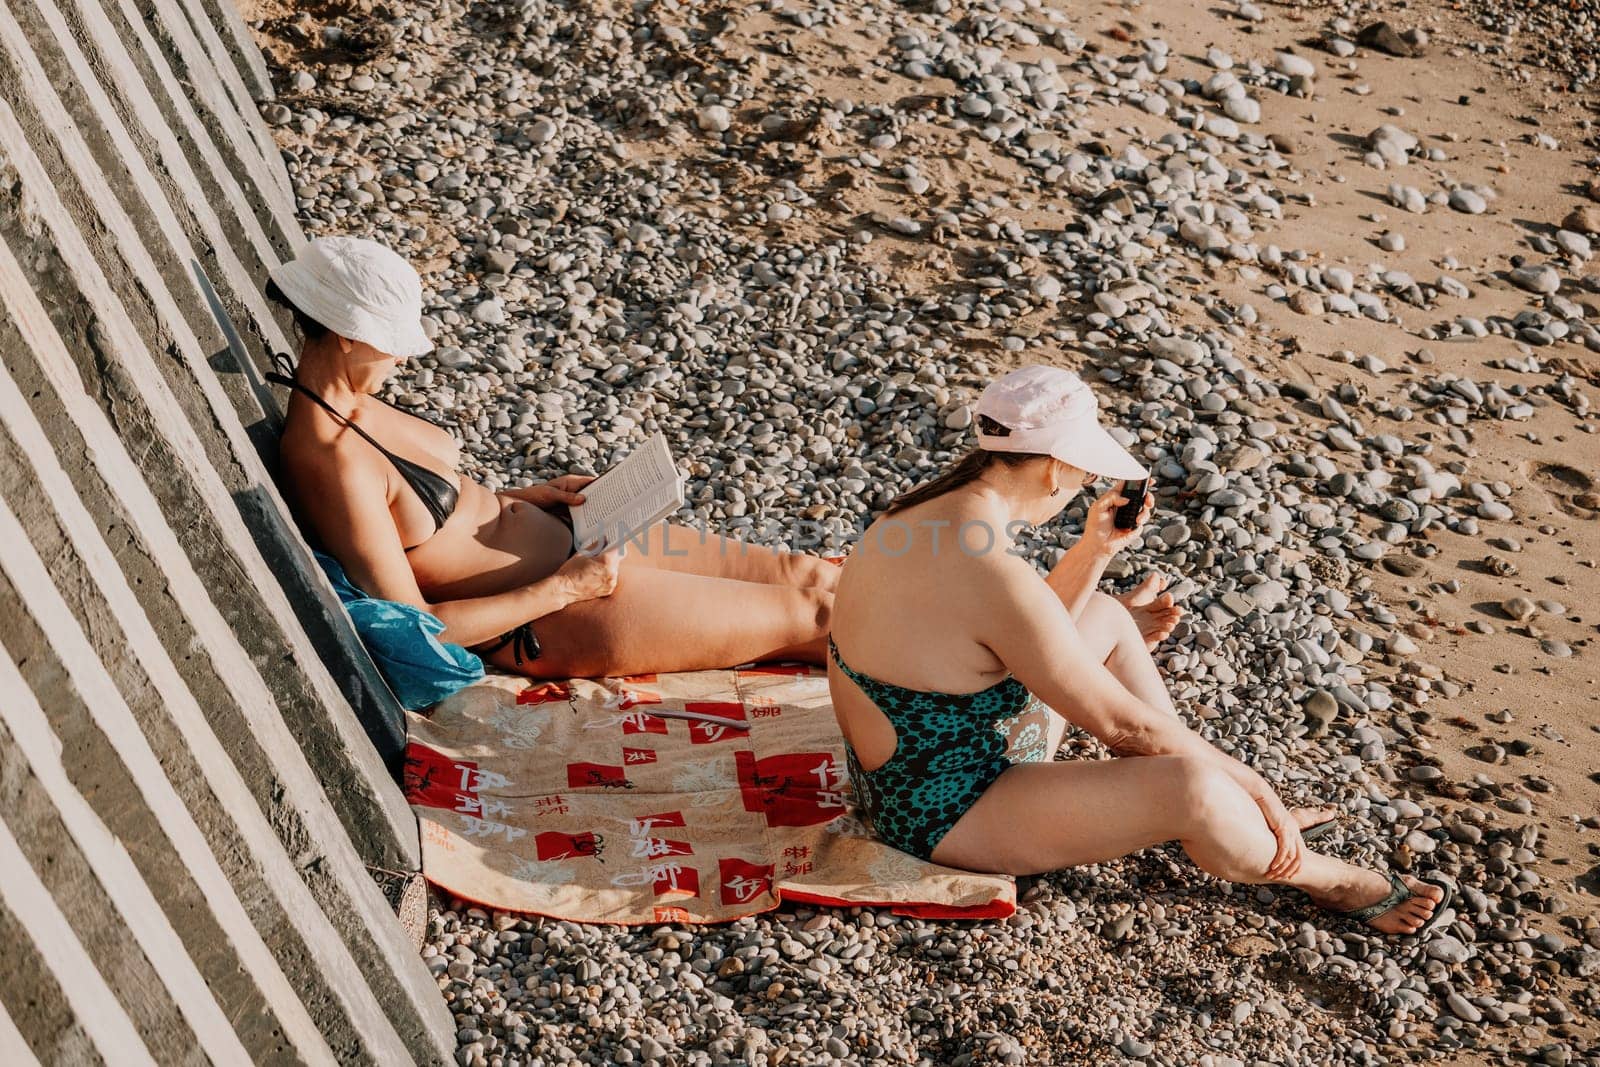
point(1108, 625)
point(1109, 631)
point(660, 620)
point(674, 547)
point(1039, 817)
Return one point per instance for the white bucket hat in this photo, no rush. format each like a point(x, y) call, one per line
point(359, 289)
point(1052, 412)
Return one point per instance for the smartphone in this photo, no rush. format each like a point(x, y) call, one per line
point(1127, 514)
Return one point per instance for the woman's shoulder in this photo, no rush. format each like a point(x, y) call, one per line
point(324, 455)
point(964, 573)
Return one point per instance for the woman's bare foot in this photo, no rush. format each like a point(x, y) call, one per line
point(1308, 817)
point(1155, 612)
point(1369, 887)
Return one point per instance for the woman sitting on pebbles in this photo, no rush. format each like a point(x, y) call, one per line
point(941, 629)
point(379, 488)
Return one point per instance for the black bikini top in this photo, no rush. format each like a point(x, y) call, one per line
point(432, 488)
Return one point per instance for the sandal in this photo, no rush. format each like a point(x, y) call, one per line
point(1398, 892)
point(1321, 829)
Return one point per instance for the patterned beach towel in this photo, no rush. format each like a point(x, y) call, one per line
point(593, 801)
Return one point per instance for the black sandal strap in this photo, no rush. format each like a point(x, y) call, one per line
point(1399, 892)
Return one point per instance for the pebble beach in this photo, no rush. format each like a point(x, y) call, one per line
point(1330, 269)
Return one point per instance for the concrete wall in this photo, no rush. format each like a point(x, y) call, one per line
point(195, 756)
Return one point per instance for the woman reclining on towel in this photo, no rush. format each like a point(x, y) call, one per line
point(940, 630)
point(379, 488)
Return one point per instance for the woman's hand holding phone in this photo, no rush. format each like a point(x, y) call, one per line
point(1131, 511)
point(1100, 529)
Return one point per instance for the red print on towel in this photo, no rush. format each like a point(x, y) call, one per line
point(672, 879)
point(629, 695)
point(548, 693)
point(432, 779)
point(653, 848)
point(705, 733)
point(633, 698)
point(665, 876)
point(642, 722)
point(580, 775)
point(632, 756)
point(793, 789)
point(555, 845)
point(743, 882)
point(647, 846)
point(660, 869)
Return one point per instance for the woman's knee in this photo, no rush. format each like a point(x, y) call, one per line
point(1101, 600)
point(1203, 791)
point(797, 569)
point(1114, 614)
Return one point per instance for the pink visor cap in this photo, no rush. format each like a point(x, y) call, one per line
point(1052, 412)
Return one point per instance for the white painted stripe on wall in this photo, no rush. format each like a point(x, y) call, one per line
point(300, 786)
point(242, 48)
point(268, 176)
point(126, 344)
point(197, 38)
point(116, 872)
point(191, 596)
point(144, 182)
point(114, 719)
point(263, 176)
point(93, 1004)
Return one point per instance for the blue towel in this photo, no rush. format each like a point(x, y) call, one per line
point(403, 641)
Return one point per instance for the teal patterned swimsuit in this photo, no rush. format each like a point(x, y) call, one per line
point(950, 748)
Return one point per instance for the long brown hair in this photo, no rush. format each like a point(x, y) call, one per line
point(309, 327)
point(964, 470)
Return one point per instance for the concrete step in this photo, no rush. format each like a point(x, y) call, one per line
point(197, 759)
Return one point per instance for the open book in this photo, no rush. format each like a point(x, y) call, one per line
point(630, 497)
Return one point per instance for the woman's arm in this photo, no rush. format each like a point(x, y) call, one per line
point(1035, 637)
point(562, 490)
point(1249, 780)
point(351, 515)
point(469, 622)
point(1077, 574)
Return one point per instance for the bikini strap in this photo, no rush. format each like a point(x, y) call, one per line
point(431, 487)
point(288, 379)
point(284, 375)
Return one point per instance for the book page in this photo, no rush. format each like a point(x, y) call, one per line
point(634, 494)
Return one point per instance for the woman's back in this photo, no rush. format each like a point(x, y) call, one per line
point(912, 600)
point(924, 705)
point(909, 612)
point(944, 761)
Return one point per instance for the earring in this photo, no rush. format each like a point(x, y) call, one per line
point(1056, 491)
